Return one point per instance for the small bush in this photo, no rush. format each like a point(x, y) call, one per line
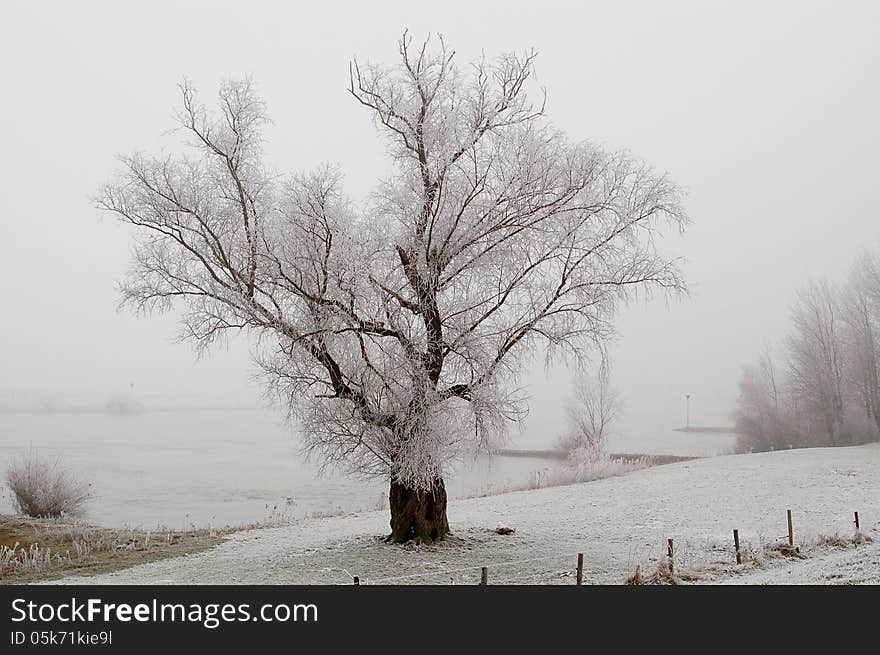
point(45, 489)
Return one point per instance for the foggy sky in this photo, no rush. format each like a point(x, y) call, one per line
point(766, 112)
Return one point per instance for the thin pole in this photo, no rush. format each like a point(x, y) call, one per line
point(736, 545)
point(484, 575)
point(580, 573)
point(790, 531)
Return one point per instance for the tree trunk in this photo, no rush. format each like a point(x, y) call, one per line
point(419, 516)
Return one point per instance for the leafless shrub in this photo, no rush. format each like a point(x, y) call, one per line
point(46, 489)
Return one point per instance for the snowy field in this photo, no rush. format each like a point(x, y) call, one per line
point(616, 522)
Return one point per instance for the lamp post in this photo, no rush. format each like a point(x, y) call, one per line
point(687, 410)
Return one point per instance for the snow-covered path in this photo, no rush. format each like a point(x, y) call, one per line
point(616, 522)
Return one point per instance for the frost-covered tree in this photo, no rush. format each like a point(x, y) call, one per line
point(590, 414)
point(394, 330)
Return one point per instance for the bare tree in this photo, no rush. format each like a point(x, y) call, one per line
point(860, 306)
point(767, 369)
point(826, 394)
point(590, 413)
point(762, 416)
point(816, 358)
point(393, 331)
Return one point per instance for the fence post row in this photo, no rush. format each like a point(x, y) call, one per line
point(484, 571)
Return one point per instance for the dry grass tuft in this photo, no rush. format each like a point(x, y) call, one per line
point(837, 540)
point(39, 549)
point(786, 550)
point(833, 541)
point(662, 576)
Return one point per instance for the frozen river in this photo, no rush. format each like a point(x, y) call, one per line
point(218, 467)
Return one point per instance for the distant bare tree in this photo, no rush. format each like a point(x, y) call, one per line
point(393, 330)
point(762, 417)
point(767, 369)
point(816, 357)
point(590, 413)
point(827, 391)
point(861, 315)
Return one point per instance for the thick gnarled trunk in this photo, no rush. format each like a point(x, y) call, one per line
point(418, 515)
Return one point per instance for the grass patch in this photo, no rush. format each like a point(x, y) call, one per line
point(44, 549)
point(35, 549)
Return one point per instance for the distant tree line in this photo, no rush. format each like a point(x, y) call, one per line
point(821, 387)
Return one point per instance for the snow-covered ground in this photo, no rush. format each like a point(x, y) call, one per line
point(616, 522)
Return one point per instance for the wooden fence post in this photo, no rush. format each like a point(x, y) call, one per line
point(356, 580)
point(669, 552)
point(856, 515)
point(790, 531)
point(484, 575)
point(736, 545)
point(580, 573)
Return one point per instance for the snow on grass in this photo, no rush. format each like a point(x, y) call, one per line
point(618, 523)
